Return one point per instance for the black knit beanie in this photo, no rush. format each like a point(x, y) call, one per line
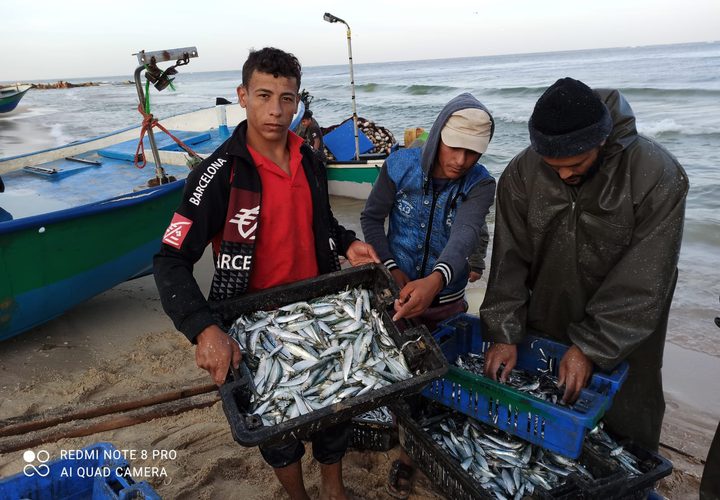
point(569, 119)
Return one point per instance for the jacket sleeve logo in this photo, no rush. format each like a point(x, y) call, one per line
point(177, 231)
point(246, 222)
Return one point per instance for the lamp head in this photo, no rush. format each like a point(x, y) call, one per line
point(333, 19)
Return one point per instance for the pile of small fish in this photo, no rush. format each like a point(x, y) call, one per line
point(542, 384)
point(381, 138)
point(308, 355)
point(504, 465)
point(379, 415)
point(607, 447)
point(509, 467)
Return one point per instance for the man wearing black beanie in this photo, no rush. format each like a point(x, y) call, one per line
point(588, 226)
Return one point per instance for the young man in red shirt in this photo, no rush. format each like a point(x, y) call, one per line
point(262, 199)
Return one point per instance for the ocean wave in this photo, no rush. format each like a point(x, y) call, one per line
point(515, 91)
point(428, 89)
point(630, 91)
point(670, 92)
point(668, 126)
point(508, 118)
point(57, 132)
point(373, 87)
point(24, 112)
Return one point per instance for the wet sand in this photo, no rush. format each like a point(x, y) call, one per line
point(120, 344)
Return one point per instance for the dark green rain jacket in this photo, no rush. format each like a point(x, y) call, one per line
point(594, 265)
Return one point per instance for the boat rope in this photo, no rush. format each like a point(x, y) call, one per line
point(149, 121)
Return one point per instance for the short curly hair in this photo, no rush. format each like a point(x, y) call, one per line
point(273, 61)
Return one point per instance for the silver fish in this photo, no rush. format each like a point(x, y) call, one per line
point(318, 352)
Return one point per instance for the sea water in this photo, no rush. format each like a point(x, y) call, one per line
point(673, 89)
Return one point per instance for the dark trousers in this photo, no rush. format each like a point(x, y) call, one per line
point(710, 484)
point(329, 447)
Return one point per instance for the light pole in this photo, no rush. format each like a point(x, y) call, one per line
point(332, 19)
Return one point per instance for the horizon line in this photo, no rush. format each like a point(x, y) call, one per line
point(543, 52)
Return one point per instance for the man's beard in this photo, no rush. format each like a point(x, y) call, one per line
point(578, 180)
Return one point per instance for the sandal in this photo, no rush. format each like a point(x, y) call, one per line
point(400, 480)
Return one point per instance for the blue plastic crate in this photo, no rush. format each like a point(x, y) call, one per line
point(560, 429)
point(341, 141)
point(58, 479)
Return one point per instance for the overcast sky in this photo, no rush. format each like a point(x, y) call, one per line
point(43, 39)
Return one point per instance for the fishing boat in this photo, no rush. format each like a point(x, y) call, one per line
point(81, 218)
point(353, 179)
point(350, 177)
point(10, 97)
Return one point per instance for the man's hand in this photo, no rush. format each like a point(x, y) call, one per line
point(574, 372)
point(359, 253)
point(474, 276)
point(497, 355)
point(400, 277)
point(214, 352)
point(416, 296)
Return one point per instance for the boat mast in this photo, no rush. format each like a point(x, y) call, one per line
point(161, 80)
point(334, 19)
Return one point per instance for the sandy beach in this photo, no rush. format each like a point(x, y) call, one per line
point(121, 346)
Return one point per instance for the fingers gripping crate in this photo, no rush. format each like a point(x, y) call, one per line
point(559, 429)
point(97, 472)
point(421, 353)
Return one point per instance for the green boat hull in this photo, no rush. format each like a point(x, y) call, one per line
point(352, 180)
point(49, 266)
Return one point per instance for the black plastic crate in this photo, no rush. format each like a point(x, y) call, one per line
point(612, 482)
point(621, 486)
point(373, 436)
point(423, 356)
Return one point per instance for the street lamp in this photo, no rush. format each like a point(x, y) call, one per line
point(333, 19)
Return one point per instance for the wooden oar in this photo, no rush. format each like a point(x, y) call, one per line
point(106, 422)
point(27, 423)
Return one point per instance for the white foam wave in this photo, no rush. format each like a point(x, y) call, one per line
point(670, 126)
point(23, 112)
point(667, 125)
point(509, 118)
point(57, 132)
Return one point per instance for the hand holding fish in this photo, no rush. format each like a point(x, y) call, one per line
point(574, 371)
point(215, 351)
point(500, 354)
point(416, 296)
point(359, 253)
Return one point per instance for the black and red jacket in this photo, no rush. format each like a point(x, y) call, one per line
point(221, 203)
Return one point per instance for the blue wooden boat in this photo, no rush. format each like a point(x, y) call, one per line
point(10, 97)
point(81, 218)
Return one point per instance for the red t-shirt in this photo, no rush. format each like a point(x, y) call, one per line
point(284, 244)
